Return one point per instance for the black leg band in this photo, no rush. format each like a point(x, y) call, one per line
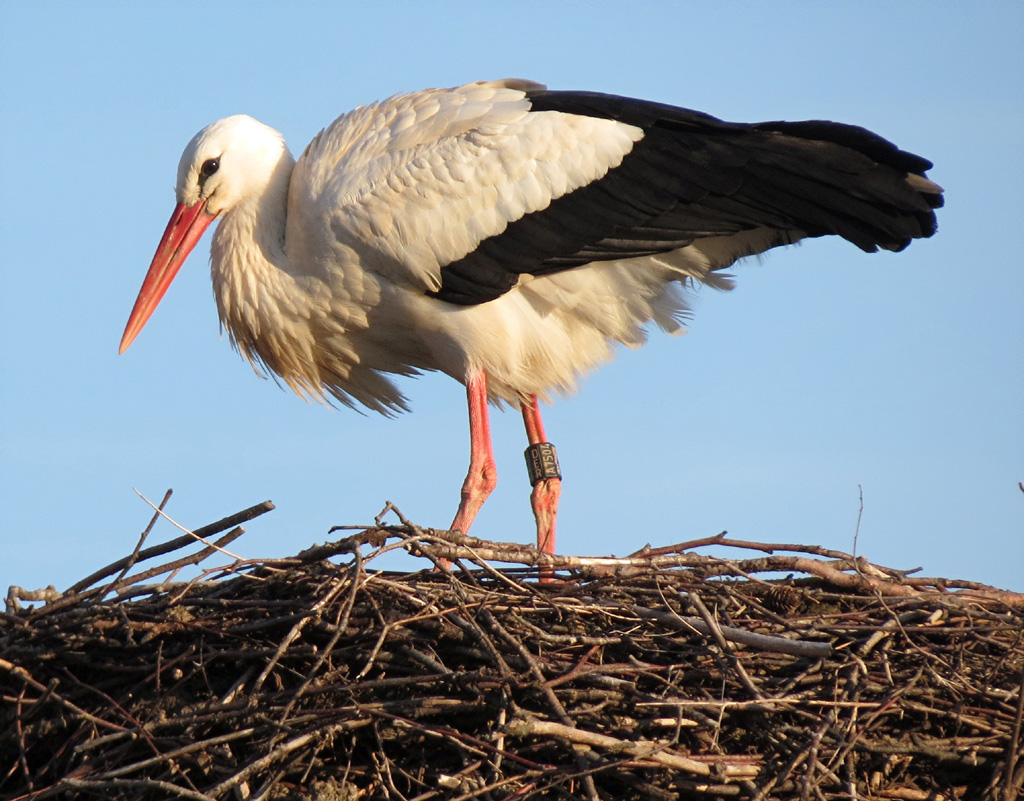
point(542, 462)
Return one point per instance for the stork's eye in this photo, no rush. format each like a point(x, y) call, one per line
point(210, 166)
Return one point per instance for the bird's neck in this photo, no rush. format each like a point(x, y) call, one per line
point(251, 235)
point(249, 264)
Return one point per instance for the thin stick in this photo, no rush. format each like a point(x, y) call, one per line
point(653, 751)
point(172, 545)
point(134, 556)
point(716, 632)
point(189, 532)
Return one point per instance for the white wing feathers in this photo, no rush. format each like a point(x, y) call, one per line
point(408, 185)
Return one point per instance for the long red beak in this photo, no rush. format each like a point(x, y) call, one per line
point(181, 235)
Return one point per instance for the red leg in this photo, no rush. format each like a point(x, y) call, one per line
point(546, 491)
point(483, 475)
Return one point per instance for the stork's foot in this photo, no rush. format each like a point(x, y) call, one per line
point(544, 500)
point(546, 478)
point(479, 484)
point(482, 477)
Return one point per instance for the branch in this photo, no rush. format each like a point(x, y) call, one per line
point(654, 752)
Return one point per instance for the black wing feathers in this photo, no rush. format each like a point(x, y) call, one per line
point(694, 176)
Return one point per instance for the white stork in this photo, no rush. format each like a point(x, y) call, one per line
point(508, 236)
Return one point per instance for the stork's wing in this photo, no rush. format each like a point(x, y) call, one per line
point(459, 192)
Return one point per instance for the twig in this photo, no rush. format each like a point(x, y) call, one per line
point(762, 642)
point(188, 532)
point(23, 675)
point(173, 545)
point(654, 752)
point(133, 557)
point(112, 786)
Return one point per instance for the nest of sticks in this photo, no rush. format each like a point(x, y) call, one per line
point(665, 674)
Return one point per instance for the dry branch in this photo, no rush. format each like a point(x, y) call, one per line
point(663, 674)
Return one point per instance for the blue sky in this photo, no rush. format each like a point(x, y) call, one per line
point(826, 370)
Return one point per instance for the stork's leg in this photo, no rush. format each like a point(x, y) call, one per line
point(544, 474)
point(483, 475)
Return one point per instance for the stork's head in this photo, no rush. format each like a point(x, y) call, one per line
point(225, 164)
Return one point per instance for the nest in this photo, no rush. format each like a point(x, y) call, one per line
point(668, 673)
